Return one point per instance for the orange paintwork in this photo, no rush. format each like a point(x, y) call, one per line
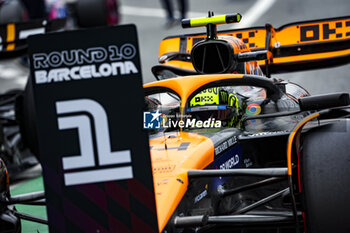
point(327, 30)
point(169, 45)
point(11, 35)
point(184, 86)
point(311, 56)
point(237, 44)
point(170, 168)
point(173, 44)
point(291, 35)
point(259, 39)
point(180, 64)
point(171, 164)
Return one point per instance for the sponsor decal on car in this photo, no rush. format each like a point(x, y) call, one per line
point(253, 109)
point(229, 159)
point(226, 144)
point(232, 162)
point(200, 196)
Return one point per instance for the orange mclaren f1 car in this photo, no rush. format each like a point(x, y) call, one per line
point(261, 171)
point(228, 145)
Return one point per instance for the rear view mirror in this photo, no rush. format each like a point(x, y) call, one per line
point(324, 101)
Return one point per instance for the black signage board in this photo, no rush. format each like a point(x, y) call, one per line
point(88, 100)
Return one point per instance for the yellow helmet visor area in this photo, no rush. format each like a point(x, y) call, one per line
point(205, 97)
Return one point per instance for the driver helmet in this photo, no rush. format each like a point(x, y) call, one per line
point(217, 103)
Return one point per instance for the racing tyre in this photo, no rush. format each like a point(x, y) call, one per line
point(325, 178)
point(91, 13)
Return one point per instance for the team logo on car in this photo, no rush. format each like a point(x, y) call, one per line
point(253, 109)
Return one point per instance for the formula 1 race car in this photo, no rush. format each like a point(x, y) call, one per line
point(13, 44)
point(228, 145)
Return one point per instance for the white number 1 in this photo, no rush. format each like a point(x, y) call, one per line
point(86, 158)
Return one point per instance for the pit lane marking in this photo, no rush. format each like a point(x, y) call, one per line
point(259, 8)
point(154, 12)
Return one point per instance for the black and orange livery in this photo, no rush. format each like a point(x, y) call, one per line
point(234, 179)
point(296, 46)
point(257, 177)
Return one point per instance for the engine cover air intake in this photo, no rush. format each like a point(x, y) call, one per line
point(213, 56)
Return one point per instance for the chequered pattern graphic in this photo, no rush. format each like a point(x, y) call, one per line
point(118, 207)
point(254, 39)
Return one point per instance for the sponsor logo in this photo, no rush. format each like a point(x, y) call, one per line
point(268, 133)
point(253, 109)
point(232, 162)
point(324, 31)
point(226, 144)
point(200, 196)
point(86, 158)
point(229, 159)
point(164, 170)
point(204, 99)
point(84, 64)
point(248, 162)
